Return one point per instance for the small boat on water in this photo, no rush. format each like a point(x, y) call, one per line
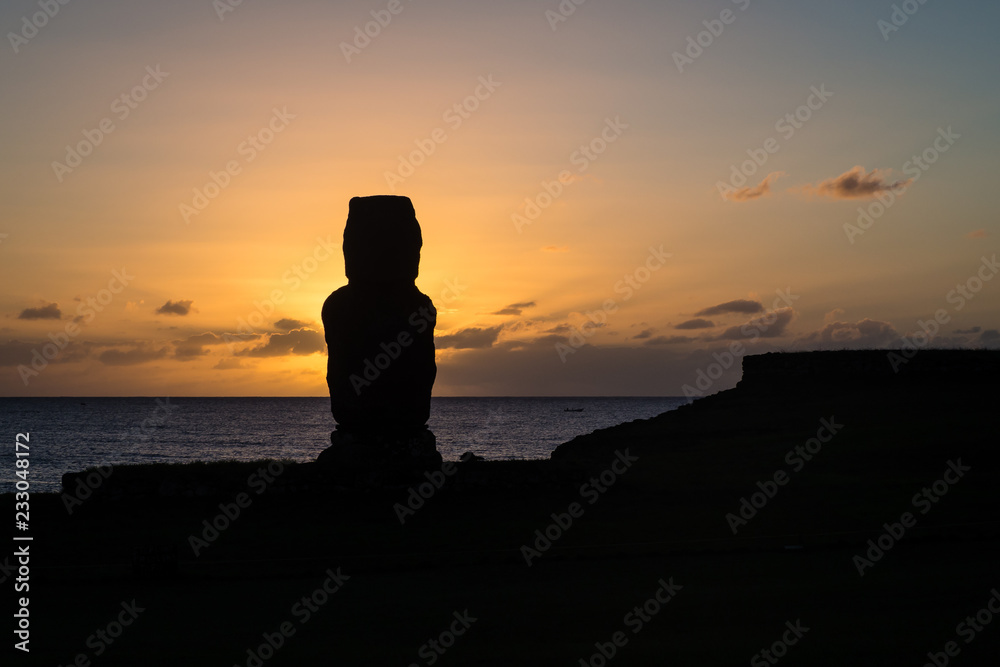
point(573, 410)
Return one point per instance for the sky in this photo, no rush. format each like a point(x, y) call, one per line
point(616, 198)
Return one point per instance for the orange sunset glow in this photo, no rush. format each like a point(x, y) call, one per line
point(605, 210)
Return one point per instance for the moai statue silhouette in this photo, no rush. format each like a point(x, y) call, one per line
point(380, 337)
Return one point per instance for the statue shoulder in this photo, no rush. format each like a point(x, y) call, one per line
point(338, 299)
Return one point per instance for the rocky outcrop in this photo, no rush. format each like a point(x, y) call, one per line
point(912, 394)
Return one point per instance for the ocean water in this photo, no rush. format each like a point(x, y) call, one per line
point(70, 434)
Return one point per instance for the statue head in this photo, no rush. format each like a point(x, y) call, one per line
point(381, 240)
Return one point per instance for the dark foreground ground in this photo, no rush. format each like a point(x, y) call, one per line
point(907, 460)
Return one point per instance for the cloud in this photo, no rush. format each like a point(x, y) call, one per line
point(229, 365)
point(515, 308)
point(989, 336)
point(299, 342)
point(521, 325)
point(555, 248)
point(973, 330)
point(864, 334)
point(47, 312)
point(194, 346)
point(287, 324)
point(230, 337)
point(857, 184)
point(534, 367)
point(17, 352)
point(514, 367)
point(745, 306)
point(670, 340)
point(175, 307)
point(771, 325)
point(698, 323)
point(130, 357)
point(645, 333)
point(761, 190)
point(473, 337)
point(833, 315)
